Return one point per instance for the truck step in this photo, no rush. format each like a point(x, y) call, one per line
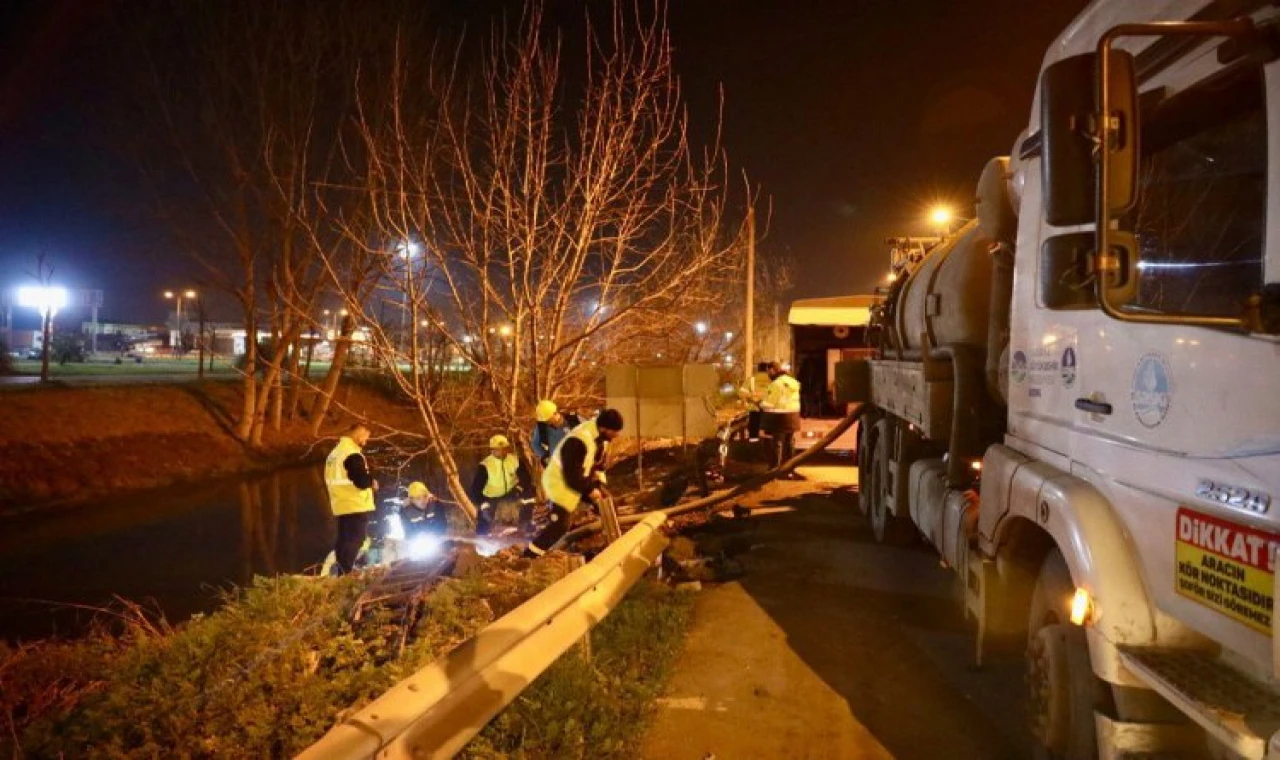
point(1238, 711)
point(1118, 740)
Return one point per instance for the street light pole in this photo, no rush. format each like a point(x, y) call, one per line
point(200, 360)
point(749, 335)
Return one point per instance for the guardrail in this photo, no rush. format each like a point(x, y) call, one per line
point(436, 711)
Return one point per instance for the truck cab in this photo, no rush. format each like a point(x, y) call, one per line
point(1076, 398)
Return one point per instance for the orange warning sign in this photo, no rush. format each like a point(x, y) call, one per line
point(1227, 567)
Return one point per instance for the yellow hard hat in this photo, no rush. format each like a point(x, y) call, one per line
point(418, 490)
point(499, 442)
point(545, 410)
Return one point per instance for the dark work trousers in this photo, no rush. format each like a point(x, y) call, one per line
point(784, 447)
point(753, 424)
point(555, 530)
point(351, 533)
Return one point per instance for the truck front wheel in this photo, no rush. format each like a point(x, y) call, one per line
point(1063, 689)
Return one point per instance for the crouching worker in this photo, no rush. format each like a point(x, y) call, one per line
point(500, 483)
point(351, 488)
point(424, 513)
point(571, 476)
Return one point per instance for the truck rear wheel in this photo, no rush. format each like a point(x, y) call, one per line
point(887, 527)
point(1063, 690)
point(868, 428)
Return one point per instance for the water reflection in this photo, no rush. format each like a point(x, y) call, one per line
point(172, 550)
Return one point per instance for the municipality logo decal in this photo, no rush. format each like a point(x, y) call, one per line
point(1069, 367)
point(1019, 369)
point(1152, 390)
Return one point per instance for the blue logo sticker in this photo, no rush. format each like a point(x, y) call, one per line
point(1019, 369)
point(1152, 390)
point(1069, 367)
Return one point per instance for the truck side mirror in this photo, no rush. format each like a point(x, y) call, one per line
point(1069, 100)
point(1064, 272)
point(1066, 102)
point(1068, 269)
point(1121, 130)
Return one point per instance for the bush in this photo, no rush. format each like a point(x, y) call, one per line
point(6, 361)
point(265, 676)
point(66, 347)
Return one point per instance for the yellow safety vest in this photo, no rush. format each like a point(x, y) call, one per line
point(344, 497)
point(503, 475)
point(553, 482)
point(752, 387)
point(783, 396)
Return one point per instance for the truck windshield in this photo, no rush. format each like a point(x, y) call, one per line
point(1200, 216)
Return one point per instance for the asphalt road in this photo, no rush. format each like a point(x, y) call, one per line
point(832, 646)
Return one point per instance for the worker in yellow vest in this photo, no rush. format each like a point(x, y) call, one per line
point(351, 487)
point(573, 476)
point(781, 413)
point(500, 483)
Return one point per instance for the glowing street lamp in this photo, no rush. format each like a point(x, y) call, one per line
point(407, 249)
point(175, 338)
point(700, 328)
point(942, 217)
point(46, 299)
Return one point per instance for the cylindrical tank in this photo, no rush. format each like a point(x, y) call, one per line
point(948, 296)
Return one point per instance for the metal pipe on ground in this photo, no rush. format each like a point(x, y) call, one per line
point(753, 484)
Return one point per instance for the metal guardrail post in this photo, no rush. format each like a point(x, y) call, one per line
point(436, 711)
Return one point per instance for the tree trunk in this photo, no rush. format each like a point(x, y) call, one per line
point(244, 427)
point(320, 407)
point(299, 381)
point(270, 383)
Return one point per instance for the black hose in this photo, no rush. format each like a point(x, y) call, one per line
point(753, 484)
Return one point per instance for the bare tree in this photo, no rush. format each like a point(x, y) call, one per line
point(530, 225)
point(252, 99)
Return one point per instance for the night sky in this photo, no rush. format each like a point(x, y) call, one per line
point(853, 116)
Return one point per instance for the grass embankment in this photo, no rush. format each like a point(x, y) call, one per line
point(74, 444)
point(100, 367)
point(267, 675)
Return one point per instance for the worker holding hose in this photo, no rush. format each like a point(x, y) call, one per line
point(781, 418)
point(551, 428)
point(571, 477)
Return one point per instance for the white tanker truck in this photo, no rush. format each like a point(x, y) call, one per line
point(1076, 398)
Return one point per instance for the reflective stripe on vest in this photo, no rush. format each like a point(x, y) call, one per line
point(783, 395)
point(553, 482)
point(501, 475)
point(344, 497)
